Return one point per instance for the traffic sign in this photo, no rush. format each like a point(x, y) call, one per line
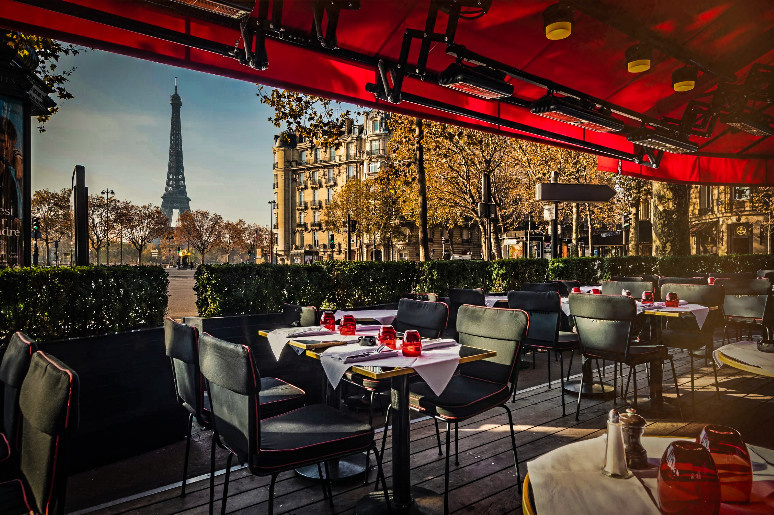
point(561, 192)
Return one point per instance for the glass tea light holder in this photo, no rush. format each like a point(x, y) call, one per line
point(328, 321)
point(688, 481)
point(348, 325)
point(647, 297)
point(672, 300)
point(412, 344)
point(732, 460)
point(387, 336)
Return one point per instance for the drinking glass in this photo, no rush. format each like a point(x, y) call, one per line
point(647, 297)
point(412, 344)
point(576, 289)
point(348, 325)
point(688, 480)
point(732, 460)
point(710, 281)
point(672, 300)
point(328, 321)
point(387, 336)
point(596, 291)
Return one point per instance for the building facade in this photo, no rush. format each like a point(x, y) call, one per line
point(723, 220)
point(306, 177)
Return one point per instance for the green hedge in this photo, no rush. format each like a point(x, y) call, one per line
point(240, 289)
point(54, 303)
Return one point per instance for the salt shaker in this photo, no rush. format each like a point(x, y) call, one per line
point(615, 455)
point(632, 426)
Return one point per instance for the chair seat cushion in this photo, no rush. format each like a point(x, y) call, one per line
point(463, 397)
point(277, 397)
point(309, 435)
point(680, 339)
point(14, 498)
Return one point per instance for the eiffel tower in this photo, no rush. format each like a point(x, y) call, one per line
point(175, 196)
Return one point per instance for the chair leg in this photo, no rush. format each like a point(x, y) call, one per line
point(569, 367)
point(717, 386)
point(371, 409)
point(677, 390)
point(322, 482)
point(438, 436)
point(513, 444)
point(561, 380)
point(446, 475)
point(328, 483)
point(634, 387)
point(187, 451)
point(456, 444)
point(384, 433)
point(580, 392)
point(628, 380)
point(212, 471)
point(380, 474)
point(225, 484)
point(548, 367)
point(271, 493)
point(367, 466)
point(615, 382)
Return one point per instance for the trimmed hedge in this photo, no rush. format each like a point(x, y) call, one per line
point(56, 303)
point(241, 289)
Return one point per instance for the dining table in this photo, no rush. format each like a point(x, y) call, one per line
point(569, 479)
point(745, 356)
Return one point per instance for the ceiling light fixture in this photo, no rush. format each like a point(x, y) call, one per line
point(478, 81)
point(660, 141)
point(638, 58)
point(684, 79)
point(750, 123)
point(564, 110)
point(557, 21)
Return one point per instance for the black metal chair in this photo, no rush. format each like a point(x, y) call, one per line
point(182, 347)
point(480, 385)
point(684, 333)
point(305, 436)
point(605, 325)
point(459, 297)
point(13, 369)
point(565, 287)
point(543, 333)
point(50, 409)
point(747, 303)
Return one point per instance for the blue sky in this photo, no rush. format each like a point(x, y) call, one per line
point(117, 126)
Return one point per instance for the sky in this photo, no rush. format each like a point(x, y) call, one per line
point(118, 124)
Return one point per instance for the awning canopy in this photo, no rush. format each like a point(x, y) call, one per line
point(349, 50)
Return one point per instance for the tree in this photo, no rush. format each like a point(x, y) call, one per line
point(53, 210)
point(98, 223)
point(636, 190)
point(49, 53)
point(143, 225)
point(257, 237)
point(670, 219)
point(234, 237)
point(762, 200)
point(202, 229)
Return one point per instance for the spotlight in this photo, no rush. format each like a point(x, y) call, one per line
point(638, 58)
point(750, 123)
point(563, 110)
point(661, 141)
point(478, 81)
point(684, 79)
point(557, 21)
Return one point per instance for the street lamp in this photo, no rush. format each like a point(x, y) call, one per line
point(107, 194)
point(273, 204)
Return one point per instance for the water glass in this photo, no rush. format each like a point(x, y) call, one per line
point(732, 460)
point(412, 344)
point(387, 336)
point(688, 480)
point(647, 297)
point(672, 300)
point(348, 325)
point(576, 289)
point(328, 321)
point(596, 291)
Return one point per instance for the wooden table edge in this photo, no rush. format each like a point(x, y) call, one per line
point(728, 360)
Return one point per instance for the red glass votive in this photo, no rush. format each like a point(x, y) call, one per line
point(688, 480)
point(328, 321)
point(710, 281)
point(387, 336)
point(576, 289)
point(348, 325)
point(647, 297)
point(732, 460)
point(596, 291)
point(412, 344)
point(672, 300)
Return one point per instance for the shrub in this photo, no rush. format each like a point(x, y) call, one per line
point(510, 274)
point(587, 270)
point(439, 276)
point(56, 303)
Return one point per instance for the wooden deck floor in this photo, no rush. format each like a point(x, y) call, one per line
point(485, 480)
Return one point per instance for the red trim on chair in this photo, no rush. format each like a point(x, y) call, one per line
point(255, 396)
point(282, 400)
point(24, 492)
point(28, 342)
point(7, 445)
point(67, 423)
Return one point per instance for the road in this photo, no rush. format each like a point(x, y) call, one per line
point(182, 298)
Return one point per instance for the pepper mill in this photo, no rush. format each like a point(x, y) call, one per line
point(615, 455)
point(632, 426)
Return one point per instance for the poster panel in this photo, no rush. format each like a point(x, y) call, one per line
point(11, 181)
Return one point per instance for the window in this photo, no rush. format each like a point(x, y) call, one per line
point(466, 235)
point(374, 167)
point(275, 181)
point(301, 239)
point(316, 216)
point(742, 193)
point(375, 146)
point(350, 171)
point(275, 200)
point(330, 174)
point(316, 241)
point(330, 194)
point(301, 179)
point(375, 126)
point(314, 195)
point(301, 217)
point(705, 197)
point(301, 197)
point(332, 154)
point(303, 157)
point(314, 176)
point(350, 150)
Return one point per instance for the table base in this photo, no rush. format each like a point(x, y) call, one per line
point(425, 502)
point(343, 469)
point(590, 389)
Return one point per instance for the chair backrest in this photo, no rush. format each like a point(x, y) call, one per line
point(565, 287)
point(636, 287)
point(543, 309)
point(460, 296)
point(429, 318)
point(299, 316)
point(13, 369)
point(604, 323)
point(182, 347)
point(681, 280)
point(746, 298)
point(549, 286)
point(427, 296)
point(233, 383)
point(500, 330)
point(50, 410)
point(704, 294)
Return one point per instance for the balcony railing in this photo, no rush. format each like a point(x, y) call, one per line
point(317, 225)
point(317, 204)
point(302, 205)
point(315, 184)
point(301, 185)
point(301, 226)
point(330, 182)
point(275, 226)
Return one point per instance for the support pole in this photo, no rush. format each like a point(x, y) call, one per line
point(424, 247)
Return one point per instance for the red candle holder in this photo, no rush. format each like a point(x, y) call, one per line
point(387, 336)
point(688, 480)
point(576, 289)
point(732, 460)
point(412, 344)
point(328, 321)
point(711, 281)
point(348, 325)
point(596, 291)
point(672, 300)
point(647, 297)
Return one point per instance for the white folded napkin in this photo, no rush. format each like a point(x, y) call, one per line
point(438, 343)
point(368, 356)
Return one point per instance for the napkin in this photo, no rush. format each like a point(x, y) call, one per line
point(279, 337)
point(370, 355)
point(438, 343)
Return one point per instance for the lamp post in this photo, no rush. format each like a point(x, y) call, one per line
point(107, 193)
point(273, 204)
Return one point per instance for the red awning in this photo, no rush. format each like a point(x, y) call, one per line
point(730, 42)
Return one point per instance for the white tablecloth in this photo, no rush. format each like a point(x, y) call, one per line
point(278, 338)
point(700, 312)
point(570, 480)
point(747, 353)
point(383, 316)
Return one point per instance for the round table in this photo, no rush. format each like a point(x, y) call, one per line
point(746, 356)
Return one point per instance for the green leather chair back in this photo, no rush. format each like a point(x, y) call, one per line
point(604, 323)
point(182, 346)
point(13, 370)
point(636, 287)
point(749, 298)
point(543, 309)
point(706, 295)
point(429, 318)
